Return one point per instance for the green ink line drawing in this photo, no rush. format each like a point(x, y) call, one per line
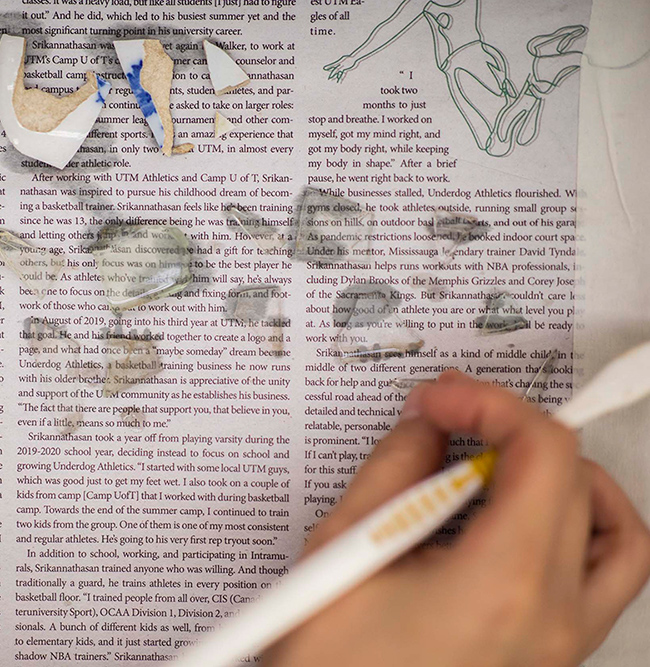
point(499, 115)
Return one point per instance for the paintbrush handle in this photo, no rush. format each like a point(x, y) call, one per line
point(348, 560)
point(396, 527)
point(620, 383)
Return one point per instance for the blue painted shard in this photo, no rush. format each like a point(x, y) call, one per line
point(103, 87)
point(145, 102)
point(141, 95)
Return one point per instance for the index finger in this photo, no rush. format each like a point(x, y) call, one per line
point(535, 472)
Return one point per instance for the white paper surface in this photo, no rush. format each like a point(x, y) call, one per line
point(252, 431)
point(614, 200)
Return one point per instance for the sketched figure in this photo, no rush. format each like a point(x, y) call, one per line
point(499, 115)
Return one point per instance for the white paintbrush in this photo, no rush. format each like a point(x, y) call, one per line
point(398, 526)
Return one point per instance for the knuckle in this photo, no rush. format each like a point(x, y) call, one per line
point(516, 604)
point(560, 644)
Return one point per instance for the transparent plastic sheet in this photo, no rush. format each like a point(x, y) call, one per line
point(612, 280)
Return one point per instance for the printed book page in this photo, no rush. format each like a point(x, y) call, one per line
point(202, 338)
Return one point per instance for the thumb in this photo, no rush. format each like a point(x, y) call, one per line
point(412, 451)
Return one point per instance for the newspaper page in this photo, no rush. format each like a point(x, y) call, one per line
point(395, 197)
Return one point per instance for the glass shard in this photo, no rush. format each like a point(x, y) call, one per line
point(373, 329)
point(451, 230)
point(408, 383)
point(38, 268)
point(503, 315)
point(39, 124)
point(44, 338)
point(225, 74)
point(347, 301)
point(265, 236)
point(539, 384)
point(140, 263)
point(252, 304)
point(261, 306)
point(131, 417)
point(130, 360)
point(331, 229)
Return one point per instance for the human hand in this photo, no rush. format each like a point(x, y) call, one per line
point(538, 578)
point(339, 68)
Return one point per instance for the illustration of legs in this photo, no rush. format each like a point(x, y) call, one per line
point(498, 114)
point(553, 62)
point(480, 86)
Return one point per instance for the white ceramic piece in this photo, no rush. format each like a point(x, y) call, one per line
point(222, 125)
point(225, 74)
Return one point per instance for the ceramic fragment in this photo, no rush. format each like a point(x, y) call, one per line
point(140, 263)
point(149, 71)
point(225, 74)
point(37, 268)
point(39, 124)
point(222, 125)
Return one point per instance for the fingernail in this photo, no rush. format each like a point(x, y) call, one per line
point(411, 408)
